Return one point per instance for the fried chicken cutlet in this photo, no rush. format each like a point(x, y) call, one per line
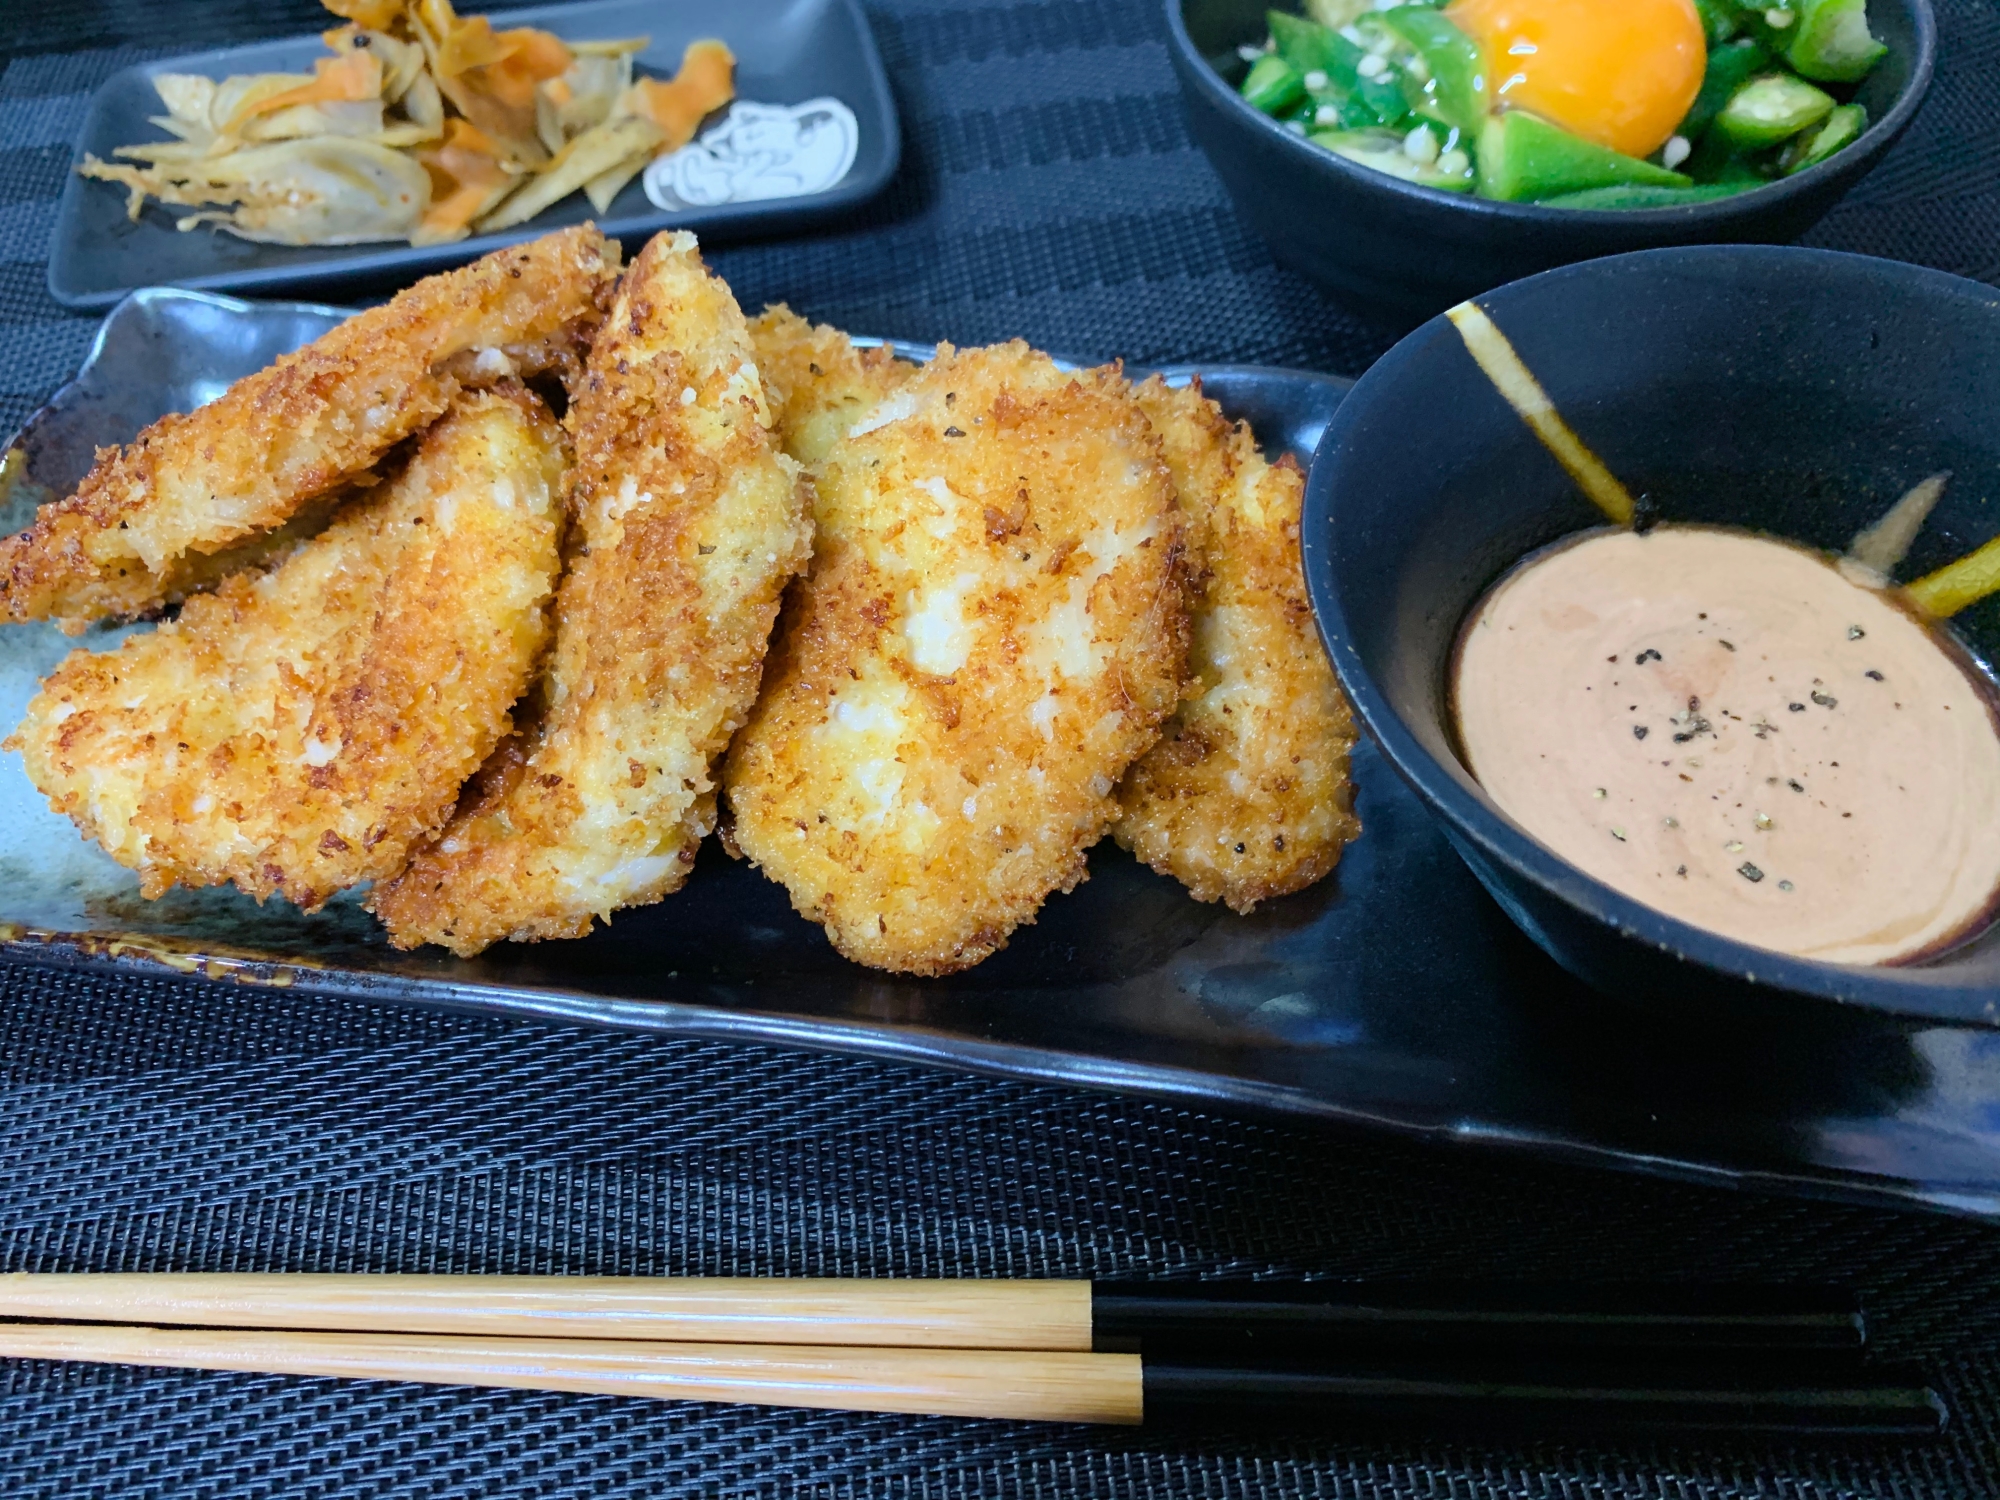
point(691, 525)
point(992, 631)
point(819, 384)
point(296, 730)
point(132, 537)
point(1246, 795)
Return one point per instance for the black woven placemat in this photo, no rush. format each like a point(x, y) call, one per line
point(1049, 191)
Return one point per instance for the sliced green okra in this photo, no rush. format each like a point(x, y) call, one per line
point(1312, 48)
point(1334, 14)
point(1387, 151)
point(1523, 159)
point(1840, 128)
point(1770, 108)
point(1718, 21)
point(1730, 66)
point(1824, 39)
point(1449, 81)
point(1333, 110)
point(1636, 195)
point(1273, 85)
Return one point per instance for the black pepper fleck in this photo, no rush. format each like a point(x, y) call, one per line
point(1784, 885)
point(1639, 731)
point(1749, 872)
point(1795, 786)
point(1797, 708)
point(954, 432)
point(1643, 657)
point(1826, 700)
point(1874, 676)
point(1855, 632)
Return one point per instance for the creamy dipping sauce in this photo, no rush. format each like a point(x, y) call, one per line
point(1724, 727)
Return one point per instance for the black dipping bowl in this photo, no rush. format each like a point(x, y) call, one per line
point(1798, 392)
point(1404, 252)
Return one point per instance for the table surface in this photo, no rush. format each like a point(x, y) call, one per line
point(1049, 191)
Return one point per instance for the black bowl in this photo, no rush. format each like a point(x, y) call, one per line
point(1403, 252)
point(1798, 392)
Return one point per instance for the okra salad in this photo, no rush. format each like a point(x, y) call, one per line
point(1571, 103)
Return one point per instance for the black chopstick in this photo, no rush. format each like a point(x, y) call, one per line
point(1236, 1317)
point(1800, 1400)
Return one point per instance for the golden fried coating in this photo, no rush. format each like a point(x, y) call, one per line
point(129, 539)
point(818, 382)
point(692, 523)
point(296, 730)
point(1246, 795)
point(992, 631)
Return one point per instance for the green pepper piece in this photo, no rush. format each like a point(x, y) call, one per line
point(1841, 128)
point(1718, 21)
point(1639, 196)
point(1730, 66)
point(1453, 88)
point(1383, 150)
point(1824, 39)
point(1273, 85)
point(1308, 46)
point(1523, 158)
point(1770, 108)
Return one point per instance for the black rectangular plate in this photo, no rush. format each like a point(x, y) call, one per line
point(787, 51)
point(1394, 994)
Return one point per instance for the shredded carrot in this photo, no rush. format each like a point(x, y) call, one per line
point(347, 79)
point(468, 45)
point(464, 170)
point(706, 81)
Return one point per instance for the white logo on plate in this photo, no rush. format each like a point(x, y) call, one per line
point(758, 152)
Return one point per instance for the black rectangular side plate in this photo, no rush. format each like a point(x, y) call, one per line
point(787, 51)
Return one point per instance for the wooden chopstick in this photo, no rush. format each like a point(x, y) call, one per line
point(1021, 1385)
point(937, 1314)
point(1029, 1386)
point(1174, 1318)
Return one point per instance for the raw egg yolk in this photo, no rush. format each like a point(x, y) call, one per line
point(1622, 73)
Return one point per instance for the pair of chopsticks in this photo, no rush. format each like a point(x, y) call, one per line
point(1063, 1351)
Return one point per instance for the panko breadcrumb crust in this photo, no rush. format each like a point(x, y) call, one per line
point(819, 383)
point(139, 531)
point(297, 730)
point(1246, 796)
point(992, 631)
point(689, 524)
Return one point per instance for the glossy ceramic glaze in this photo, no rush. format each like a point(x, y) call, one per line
point(1797, 392)
point(787, 51)
point(1405, 252)
point(1394, 995)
